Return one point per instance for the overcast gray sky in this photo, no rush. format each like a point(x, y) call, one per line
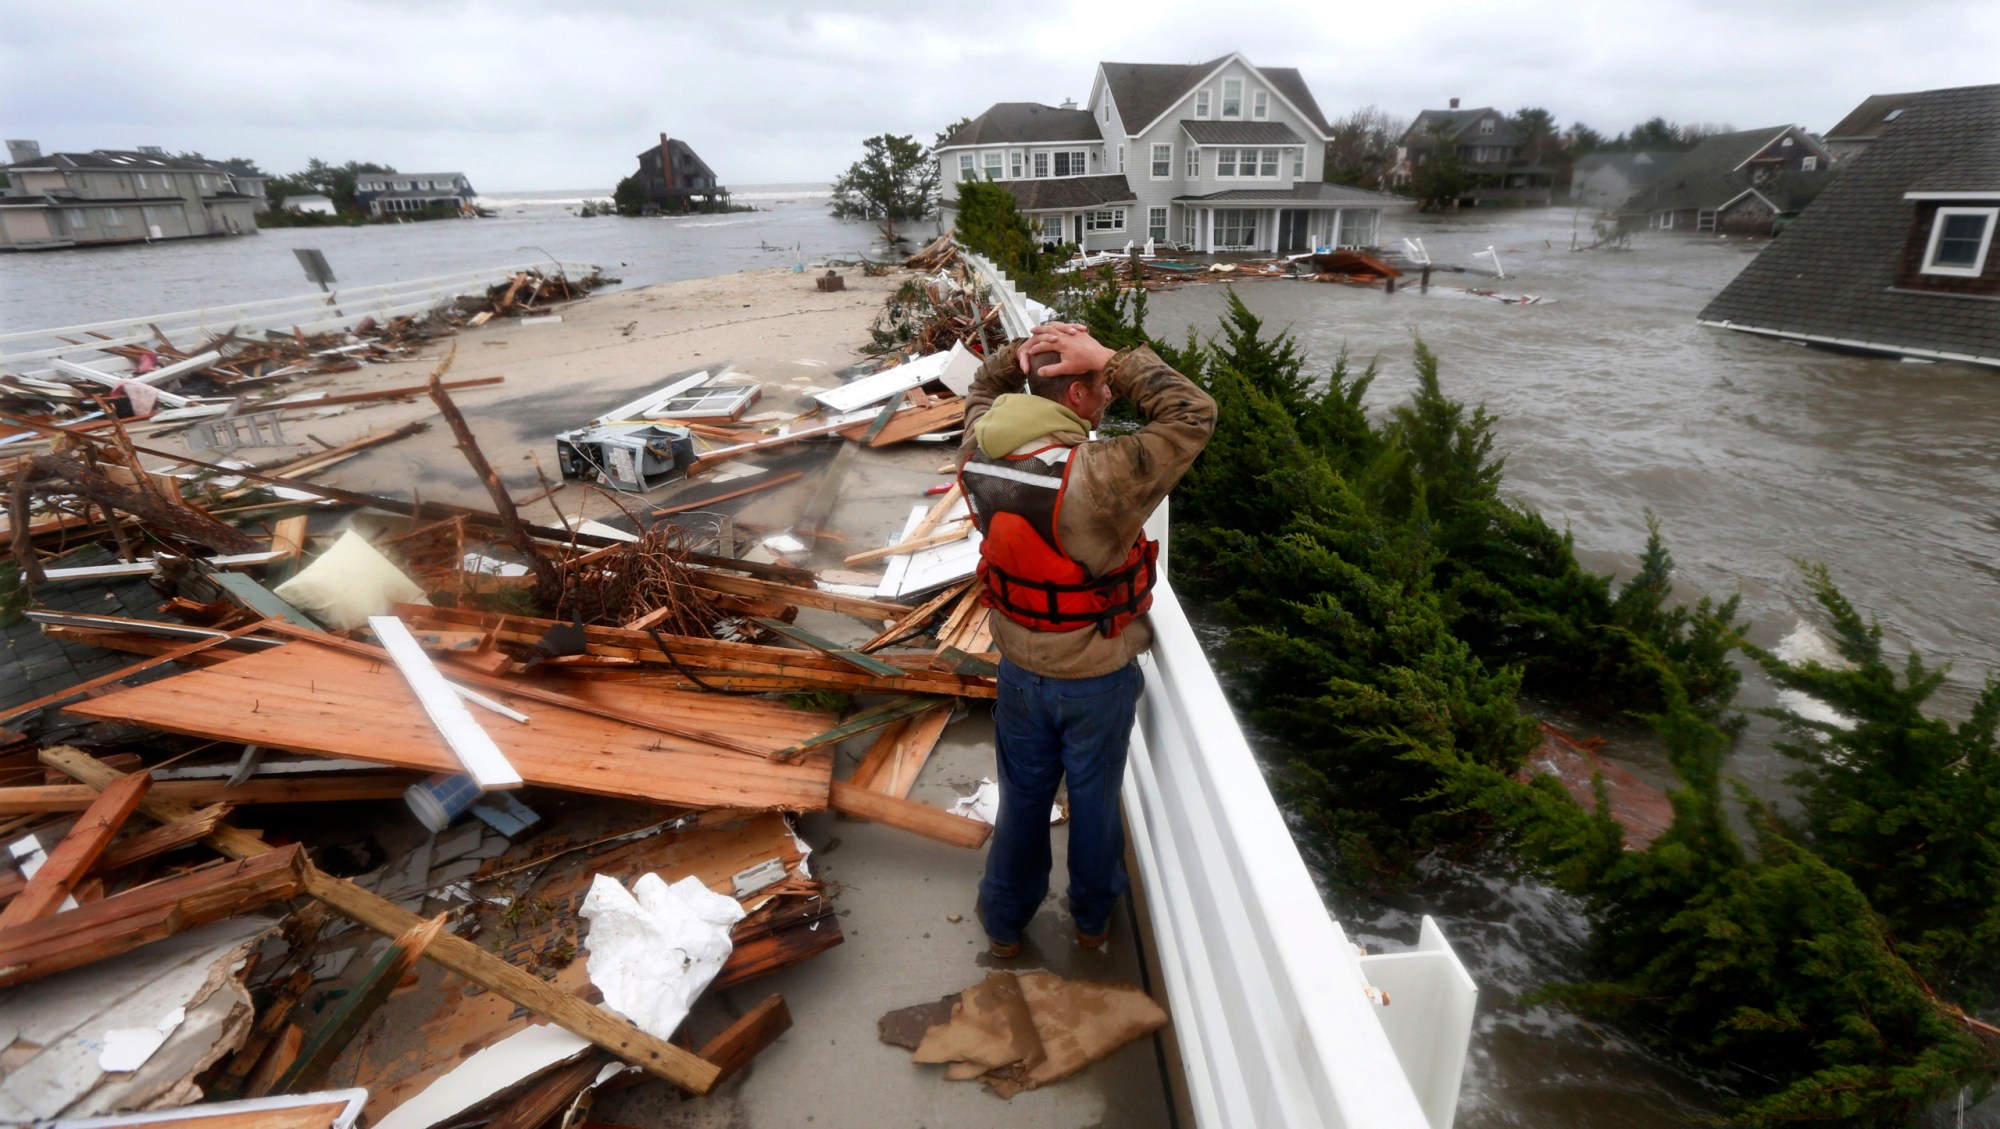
point(551, 94)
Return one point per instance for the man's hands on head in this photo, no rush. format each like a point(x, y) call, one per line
point(1080, 352)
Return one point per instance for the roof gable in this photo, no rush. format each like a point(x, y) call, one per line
point(1866, 121)
point(1147, 92)
point(1454, 124)
point(1025, 123)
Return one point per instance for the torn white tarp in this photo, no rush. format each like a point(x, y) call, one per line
point(984, 804)
point(655, 947)
point(523, 1054)
point(127, 1048)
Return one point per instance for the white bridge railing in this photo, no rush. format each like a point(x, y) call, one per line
point(341, 308)
point(1279, 1021)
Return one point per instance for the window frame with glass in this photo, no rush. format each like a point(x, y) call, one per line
point(1104, 220)
point(1163, 161)
point(1232, 98)
point(1156, 223)
point(1981, 241)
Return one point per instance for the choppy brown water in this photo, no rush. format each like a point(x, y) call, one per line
point(1753, 453)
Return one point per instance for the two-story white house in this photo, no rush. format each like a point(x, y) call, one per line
point(109, 196)
point(1221, 156)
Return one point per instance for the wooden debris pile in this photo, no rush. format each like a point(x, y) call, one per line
point(528, 293)
point(279, 819)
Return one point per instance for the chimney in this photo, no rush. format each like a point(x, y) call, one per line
point(18, 151)
point(1454, 103)
point(1069, 104)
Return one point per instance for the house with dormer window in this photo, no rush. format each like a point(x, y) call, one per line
point(1740, 183)
point(1221, 156)
point(1899, 255)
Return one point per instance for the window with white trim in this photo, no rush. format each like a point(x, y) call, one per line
point(1357, 227)
point(1808, 164)
point(1069, 162)
point(965, 167)
point(1201, 103)
point(1785, 144)
point(1260, 105)
point(1299, 163)
point(1193, 163)
point(1232, 97)
point(1014, 165)
point(1121, 158)
point(1187, 226)
point(993, 166)
point(1156, 223)
point(1041, 165)
point(1104, 219)
point(1163, 162)
point(1485, 126)
point(1267, 164)
point(1051, 227)
point(1960, 240)
point(1107, 110)
point(1235, 228)
point(1225, 162)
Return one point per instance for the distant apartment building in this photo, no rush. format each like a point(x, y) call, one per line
point(1214, 156)
point(393, 193)
point(109, 196)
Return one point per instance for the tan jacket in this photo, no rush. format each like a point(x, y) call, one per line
point(1115, 484)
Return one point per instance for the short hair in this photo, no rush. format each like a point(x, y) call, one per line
point(1054, 387)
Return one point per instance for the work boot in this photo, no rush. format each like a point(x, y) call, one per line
point(1093, 941)
point(1003, 950)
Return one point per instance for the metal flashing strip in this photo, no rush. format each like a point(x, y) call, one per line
point(1848, 343)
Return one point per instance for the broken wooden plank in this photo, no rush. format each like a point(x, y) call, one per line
point(795, 595)
point(355, 786)
point(123, 922)
point(450, 950)
point(915, 618)
point(470, 743)
point(891, 765)
point(408, 392)
point(231, 1081)
point(289, 536)
point(741, 1041)
point(549, 1095)
point(764, 482)
point(827, 646)
point(867, 721)
point(71, 859)
point(957, 533)
point(161, 839)
point(908, 815)
point(357, 1007)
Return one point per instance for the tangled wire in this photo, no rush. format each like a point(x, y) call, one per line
point(635, 580)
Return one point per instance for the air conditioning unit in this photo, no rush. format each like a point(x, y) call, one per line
point(635, 457)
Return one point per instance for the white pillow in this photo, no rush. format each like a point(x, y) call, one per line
point(348, 583)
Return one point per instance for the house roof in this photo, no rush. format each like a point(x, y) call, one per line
point(1831, 275)
point(1025, 123)
point(1975, 169)
point(1314, 192)
point(1241, 133)
point(1067, 193)
point(1146, 91)
point(1454, 123)
point(1707, 176)
point(410, 175)
point(1638, 168)
point(1865, 122)
point(112, 160)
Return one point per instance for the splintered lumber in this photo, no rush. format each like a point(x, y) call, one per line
point(827, 646)
point(448, 949)
point(718, 662)
point(289, 536)
point(794, 594)
point(357, 1006)
point(407, 392)
point(470, 743)
point(915, 618)
point(550, 1094)
point(723, 454)
point(346, 786)
point(320, 700)
point(867, 721)
point(764, 482)
point(955, 533)
point(71, 859)
point(733, 1049)
point(123, 922)
point(908, 425)
point(503, 502)
point(325, 1110)
point(908, 815)
point(891, 765)
point(161, 839)
point(230, 1081)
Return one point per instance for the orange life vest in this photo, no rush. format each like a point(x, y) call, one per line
point(1025, 573)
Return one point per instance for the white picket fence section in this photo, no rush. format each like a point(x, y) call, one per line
point(1279, 1021)
point(342, 308)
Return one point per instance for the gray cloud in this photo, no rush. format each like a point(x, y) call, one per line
point(522, 94)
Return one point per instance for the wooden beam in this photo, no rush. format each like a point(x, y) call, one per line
point(827, 646)
point(409, 392)
point(357, 1007)
point(161, 839)
point(795, 595)
point(471, 744)
point(915, 618)
point(230, 1081)
point(548, 1095)
point(450, 950)
point(733, 1049)
point(867, 721)
point(956, 533)
point(72, 858)
point(920, 819)
point(346, 786)
point(764, 483)
point(123, 922)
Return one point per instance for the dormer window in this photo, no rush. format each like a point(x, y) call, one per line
point(1785, 144)
point(1201, 103)
point(1232, 97)
point(1485, 126)
point(1960, 239)
point(1260, 105)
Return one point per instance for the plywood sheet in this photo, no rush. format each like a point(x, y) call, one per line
point(317, 700)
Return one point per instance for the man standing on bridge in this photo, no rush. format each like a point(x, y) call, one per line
point(1067, 567)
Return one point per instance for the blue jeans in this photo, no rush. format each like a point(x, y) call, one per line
point(1043, 730)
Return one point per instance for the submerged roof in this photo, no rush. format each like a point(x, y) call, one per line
point(1711, 174)
point(1832, 273)
point(1011, 123)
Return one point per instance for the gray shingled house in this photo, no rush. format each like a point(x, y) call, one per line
point(111, 196)
point(1898, 255)
point(676, 179)
point(1739, 183)
point(1488, 147)
point(1215, 156)
point(1865, 123)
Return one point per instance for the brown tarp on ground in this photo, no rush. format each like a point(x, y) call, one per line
point(1018, 1033)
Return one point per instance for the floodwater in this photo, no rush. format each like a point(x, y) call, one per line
point(1754, 454)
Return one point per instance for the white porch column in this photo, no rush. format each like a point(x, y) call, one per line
point(1208, 230)
point(1333, 233)
point(1272, 238)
